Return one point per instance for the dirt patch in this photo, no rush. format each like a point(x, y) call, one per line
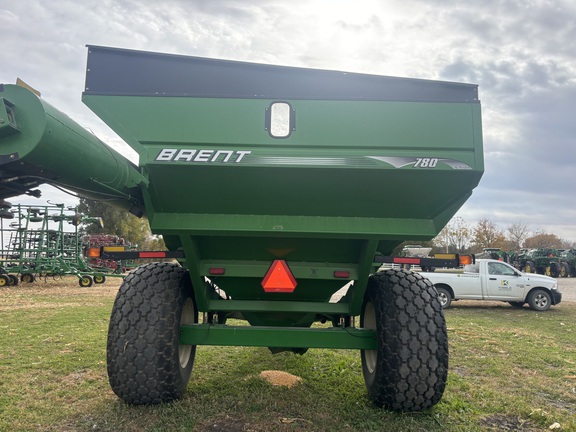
point(223, 424)
point(55, 293)
point(237, 423)
point(279, 378)
point(504, 422)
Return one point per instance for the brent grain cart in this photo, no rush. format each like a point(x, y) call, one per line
point(273, 187)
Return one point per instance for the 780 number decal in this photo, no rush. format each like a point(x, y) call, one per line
point(426, 163)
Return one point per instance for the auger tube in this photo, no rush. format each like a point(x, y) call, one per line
point(39, 144)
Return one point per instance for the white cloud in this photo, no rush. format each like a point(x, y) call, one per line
point(521, 52)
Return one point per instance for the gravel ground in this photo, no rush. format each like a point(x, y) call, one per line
point(567, 287)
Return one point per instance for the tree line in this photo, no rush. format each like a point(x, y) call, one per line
point(120, 223)
point(459, 236)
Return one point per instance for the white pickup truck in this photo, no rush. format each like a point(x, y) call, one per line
point(495, 280)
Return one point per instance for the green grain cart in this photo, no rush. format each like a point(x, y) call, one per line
point(273, 187)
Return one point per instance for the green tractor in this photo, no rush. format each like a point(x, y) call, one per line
point(494, 253)
point(568, 263)
point(542, 261)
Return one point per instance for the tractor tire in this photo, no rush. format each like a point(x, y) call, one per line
point(4, 281)
point(539, 300)
point(85, 282)
point(408, 370)
point(99, 279)
point(564, 270)
point(553, 270)
point(13, 279)
point(145, 361)
point(530, 267)
point(27, 278)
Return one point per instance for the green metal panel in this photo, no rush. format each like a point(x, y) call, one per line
point(352, 143)
point(350, 338)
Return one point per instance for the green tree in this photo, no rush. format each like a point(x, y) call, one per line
point(487, 235)
point(120, 223)
point(543, 240)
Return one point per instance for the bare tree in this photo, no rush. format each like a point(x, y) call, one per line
point(517, 233)
point(455, 237)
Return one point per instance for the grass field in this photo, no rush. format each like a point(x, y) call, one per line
point(510, 370)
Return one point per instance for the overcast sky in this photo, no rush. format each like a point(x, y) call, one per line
point(522, 54)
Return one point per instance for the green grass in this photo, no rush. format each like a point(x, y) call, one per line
point(509, 370)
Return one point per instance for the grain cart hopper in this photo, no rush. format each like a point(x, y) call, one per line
point(274, 187)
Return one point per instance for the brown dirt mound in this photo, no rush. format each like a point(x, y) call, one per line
point(279, 378)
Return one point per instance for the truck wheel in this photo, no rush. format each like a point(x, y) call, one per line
point(408, 370)
point(444, 296)
point(539, 300)
point(146, 363)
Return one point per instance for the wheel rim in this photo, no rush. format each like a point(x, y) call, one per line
point(540, 300)
point(3, 281)
point(370, 323)
point(443, 298)
point(186, 317)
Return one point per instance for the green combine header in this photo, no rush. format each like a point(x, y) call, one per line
point(274, 188)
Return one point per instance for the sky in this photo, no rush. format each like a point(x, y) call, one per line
point(521, 53)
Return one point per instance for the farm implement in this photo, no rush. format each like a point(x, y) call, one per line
point(44, 241)
point(273, 188)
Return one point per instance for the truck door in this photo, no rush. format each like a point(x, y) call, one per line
point(503, 282)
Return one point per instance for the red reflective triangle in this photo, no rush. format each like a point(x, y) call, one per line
point(279, 278)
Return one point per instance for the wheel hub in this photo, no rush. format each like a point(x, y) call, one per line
point(370, 323)
point(186, 317)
